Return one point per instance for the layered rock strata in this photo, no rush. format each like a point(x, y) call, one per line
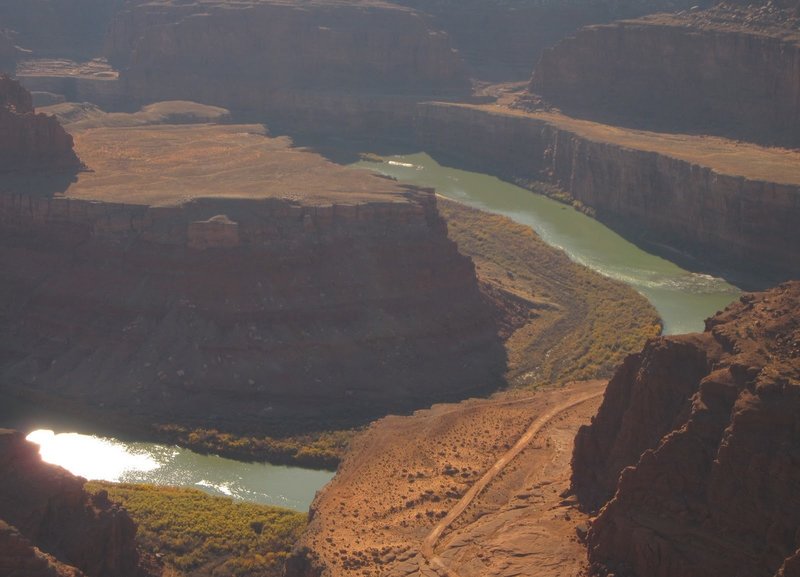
point(50, 526)
point(210, 275)
point(690, 196)
point(314, 67)
point(729, 71)
point(29, 141)
point(695, 445)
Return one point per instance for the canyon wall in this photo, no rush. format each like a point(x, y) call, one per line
point(50, 526)
point(501, 40)
point(745, 227)
point(320, 67)
point(246, 314)
point(59, 28)
point(28, 141)
point(709, 73)
point(695, 445)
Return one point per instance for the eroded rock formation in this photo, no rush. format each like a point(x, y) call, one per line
point(728, 71)
point(31, 141)
point(56, 527)
point(696, 446)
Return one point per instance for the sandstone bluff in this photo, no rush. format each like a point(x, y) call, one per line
point(694, 450)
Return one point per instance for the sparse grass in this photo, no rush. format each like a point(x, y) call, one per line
point(563, 322)
point(199, 535)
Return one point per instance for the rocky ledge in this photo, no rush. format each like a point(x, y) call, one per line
point(693, 454)
point(50, 526)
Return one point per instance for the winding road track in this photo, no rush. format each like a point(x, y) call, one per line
point(428, 549)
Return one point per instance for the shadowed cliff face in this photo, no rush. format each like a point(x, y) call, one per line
point(716, 72)
point(274, 316)
point(52, 513)
point(317, 67)
point(63, 28)
point(30, 142)
point(704, 430)
point(501, 40)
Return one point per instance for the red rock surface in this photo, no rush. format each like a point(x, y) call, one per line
point(251, 286)
point(52, 512)
point(705, 431)
point(30, 141)
point(729, 71)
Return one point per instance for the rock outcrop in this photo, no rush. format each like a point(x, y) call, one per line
point(56, 527)
point(313, 67)
point(212, 276)
point(658, 193)
point(30, 141)
point(696, 446)
point(728, 71)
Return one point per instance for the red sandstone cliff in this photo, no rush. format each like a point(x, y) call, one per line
point(705, 431)
point(746, 227)
point(30, 141)
point(317, 66)
point(275, 314)
point(62, 530)
point(728, 71)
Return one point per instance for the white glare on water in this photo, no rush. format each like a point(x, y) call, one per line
point(89, 456)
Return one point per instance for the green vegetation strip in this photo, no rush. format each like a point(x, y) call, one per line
point(196, 534)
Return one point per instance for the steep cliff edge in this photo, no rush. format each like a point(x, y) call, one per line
point(78, 533)
point(29, 141)
point(214, 276)
point(312, 66)
point(705, 431)
point(728, 205)
point(732, 71)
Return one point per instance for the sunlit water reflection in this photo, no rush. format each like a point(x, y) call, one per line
point(101, 458)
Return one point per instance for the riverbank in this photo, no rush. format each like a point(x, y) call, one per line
point(194, 534)
point(711, 204)
point(557, 319)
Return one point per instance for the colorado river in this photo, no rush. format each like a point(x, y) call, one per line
point(683, 299)
point(104, 458)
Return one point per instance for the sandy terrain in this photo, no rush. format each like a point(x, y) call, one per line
point(467, 489)
point(135, 159)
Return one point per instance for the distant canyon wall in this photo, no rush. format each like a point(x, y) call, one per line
point(663, 74)
point(726, 221)
point(694, 450)
point(319, 68)
point(249, 315)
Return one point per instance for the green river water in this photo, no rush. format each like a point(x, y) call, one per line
point(683, 299)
